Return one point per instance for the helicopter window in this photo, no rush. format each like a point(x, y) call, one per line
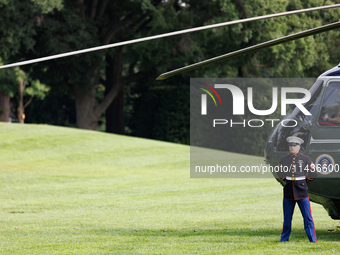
point(299, 130)
point(311, 105)
point(284, 132)
point(330, 111)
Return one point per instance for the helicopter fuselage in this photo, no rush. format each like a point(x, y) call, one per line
point(321, 134)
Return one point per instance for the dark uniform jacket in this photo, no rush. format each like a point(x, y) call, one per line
point(298, 165)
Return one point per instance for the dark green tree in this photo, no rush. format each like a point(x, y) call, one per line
point(18, 22)
point(83, 24)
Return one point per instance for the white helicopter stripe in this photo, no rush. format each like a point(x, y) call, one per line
point(312, 140)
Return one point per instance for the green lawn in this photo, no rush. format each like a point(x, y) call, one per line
point(69, 191)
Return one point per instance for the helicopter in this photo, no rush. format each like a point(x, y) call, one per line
point(320, 134)
point(321, 140)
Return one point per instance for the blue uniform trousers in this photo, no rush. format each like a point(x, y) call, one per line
point(288, 209)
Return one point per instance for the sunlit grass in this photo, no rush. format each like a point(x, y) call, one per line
point(69, 191)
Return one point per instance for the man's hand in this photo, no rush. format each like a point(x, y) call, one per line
point(310, 179)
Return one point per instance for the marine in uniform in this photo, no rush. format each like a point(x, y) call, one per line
point(296, 169)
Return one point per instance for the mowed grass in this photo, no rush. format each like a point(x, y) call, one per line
point(70, 191)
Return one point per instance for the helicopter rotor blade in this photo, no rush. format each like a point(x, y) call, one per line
point(167, 35)
point(251, 49)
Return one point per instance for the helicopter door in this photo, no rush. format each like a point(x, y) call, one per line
point(324, 143)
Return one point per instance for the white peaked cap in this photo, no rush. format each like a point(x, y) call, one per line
point(294, 140)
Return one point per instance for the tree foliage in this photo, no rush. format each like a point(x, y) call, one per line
point(19, 20)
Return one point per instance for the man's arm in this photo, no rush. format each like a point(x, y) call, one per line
point(335, 120)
